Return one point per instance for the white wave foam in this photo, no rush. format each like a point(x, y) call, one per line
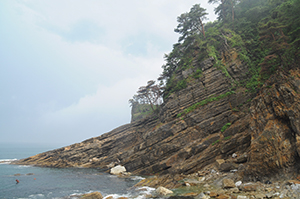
point(137, 178)
point(7, 161)
point(24, 166)
point(36, 196)
point(116, 196)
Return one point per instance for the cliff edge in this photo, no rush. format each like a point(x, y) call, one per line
point(262, 130)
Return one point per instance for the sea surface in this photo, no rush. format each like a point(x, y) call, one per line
point(39, 183)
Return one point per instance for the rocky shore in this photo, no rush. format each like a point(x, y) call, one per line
point(211, 127)
point(210, 183)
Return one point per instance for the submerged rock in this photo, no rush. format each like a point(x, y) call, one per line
point(93, 195)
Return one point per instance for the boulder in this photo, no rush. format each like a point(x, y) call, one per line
point(241, 159)
point(117, 170)
point(220, 161)
point(202, 196)
point(93, 195)
point(249, 187)
point(226, 167)
point(163, 191)
point(238, 183)
point(227, 183)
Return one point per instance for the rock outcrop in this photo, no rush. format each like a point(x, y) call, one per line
point(209, 120)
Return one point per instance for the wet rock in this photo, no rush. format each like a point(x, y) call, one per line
point(117, 170)
point(228, 183)
point(163, 191)
point(17, 174)
point(93, 195)
point(180, 197)
point(30, 174)
point(202, 196)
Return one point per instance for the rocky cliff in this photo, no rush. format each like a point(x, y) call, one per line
point(208, 121)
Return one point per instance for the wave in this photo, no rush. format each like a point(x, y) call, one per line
point(137, 178)
point(7, 161)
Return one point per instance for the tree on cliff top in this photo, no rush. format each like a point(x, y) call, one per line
point(191, 23)
point(149, 94)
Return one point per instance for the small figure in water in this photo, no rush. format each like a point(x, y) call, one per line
point(17, 181)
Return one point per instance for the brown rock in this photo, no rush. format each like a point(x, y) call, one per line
point(293, 182)
point(191, 194)
point(223, 196)
point(241, 159)
point(227, 183)
point(249, 187)
point(220, 161)
point(226, 167)
point(213, 194)
point(93, 195)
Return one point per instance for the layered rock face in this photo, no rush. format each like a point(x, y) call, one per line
point(262, 130)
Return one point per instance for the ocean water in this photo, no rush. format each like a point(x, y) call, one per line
point(39, 183)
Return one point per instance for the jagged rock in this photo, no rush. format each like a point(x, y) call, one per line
point(242, 159)
point(219, 162)
point(267, 128)
point(117, 170)
point(227, 183)
point(93, 195)
point(163, 191)
point(226, 167)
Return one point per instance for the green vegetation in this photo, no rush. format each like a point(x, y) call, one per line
point(264, 34)
point(203, 102)
point(227, 138)
point(215, 142)
point(225, 127)
point(235, 110)
point(197, 74)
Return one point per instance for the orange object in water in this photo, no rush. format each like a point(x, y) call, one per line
point(17, 181)
point(34, 178)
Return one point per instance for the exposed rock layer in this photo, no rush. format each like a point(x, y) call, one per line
point(264, 133)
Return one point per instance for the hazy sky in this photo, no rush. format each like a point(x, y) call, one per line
point(69, 67)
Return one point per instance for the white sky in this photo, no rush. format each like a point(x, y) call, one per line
point(69, 67)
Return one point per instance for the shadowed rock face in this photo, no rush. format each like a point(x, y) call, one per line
point(264, 132)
